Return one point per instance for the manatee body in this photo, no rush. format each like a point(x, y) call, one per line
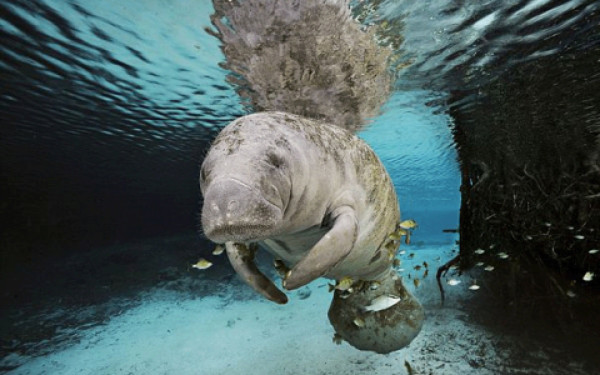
point(315, 196)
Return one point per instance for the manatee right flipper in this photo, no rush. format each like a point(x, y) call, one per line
point(331, 249)
point(242, 260)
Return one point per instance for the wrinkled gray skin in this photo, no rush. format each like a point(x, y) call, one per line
point(313, 195)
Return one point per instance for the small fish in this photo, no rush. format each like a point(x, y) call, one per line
point(570, 228)
point(202, 264)
point(395, 236)
point(345, 294)
point(528, 238)
point(425, 273)
point(280, 267)
point(453, 282)
point(489, 268)
point(375, 285)
point(391, 246)
point(382, 303)
point(402, 252)
point(218, 250)
point(502, 255)
point(593, 251)
point(359, 322)
point(345, 283)
point(579, 237)
point(391, 255)
point(396, 262)
point(408, 224)
point(425, 264)
point(417, 282)
point(548, 224)
point(474, 287)
point(411, 255)
point(479, 251)
point(588, 276)
point(479, 264)
point(417, 267)
point(571, 294)
point(492, 246)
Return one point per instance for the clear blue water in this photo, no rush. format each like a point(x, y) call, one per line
point(106, 111)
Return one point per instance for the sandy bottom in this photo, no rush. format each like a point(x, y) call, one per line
point(170, 329)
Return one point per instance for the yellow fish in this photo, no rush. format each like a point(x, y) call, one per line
point(345, 283)
point(218, 250)
point(408, 224)
point(395, 236)
point(391, 246)
point(359, 322)
point(202, 264)
point(280, 267)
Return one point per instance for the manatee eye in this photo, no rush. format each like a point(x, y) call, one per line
point(275, 160)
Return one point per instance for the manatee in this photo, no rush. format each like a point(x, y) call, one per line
point(316, 196)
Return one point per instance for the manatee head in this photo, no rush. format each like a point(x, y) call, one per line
point(246, 186)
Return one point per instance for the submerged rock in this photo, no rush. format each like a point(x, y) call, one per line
point(382, 331)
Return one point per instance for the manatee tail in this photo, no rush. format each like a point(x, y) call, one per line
point(306, 57)
point(242, 260)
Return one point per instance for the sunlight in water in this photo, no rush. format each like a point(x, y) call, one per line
point(487, 109)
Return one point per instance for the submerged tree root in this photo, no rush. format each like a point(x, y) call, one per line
point(442, 272)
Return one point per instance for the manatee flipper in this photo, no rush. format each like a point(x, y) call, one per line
point(242, 259)
point(331, 249)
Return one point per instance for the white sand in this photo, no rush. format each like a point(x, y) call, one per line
point(173, 333)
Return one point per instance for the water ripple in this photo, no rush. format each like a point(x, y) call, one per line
point(110, 76)
point(449, 44)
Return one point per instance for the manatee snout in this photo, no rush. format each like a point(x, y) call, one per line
point(234, 211)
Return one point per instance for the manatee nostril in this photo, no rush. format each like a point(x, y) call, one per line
point(215, 207)
point(274, 190)
point(232, 205)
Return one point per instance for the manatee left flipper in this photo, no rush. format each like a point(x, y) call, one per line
point(242, 259)
point(331, 249)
